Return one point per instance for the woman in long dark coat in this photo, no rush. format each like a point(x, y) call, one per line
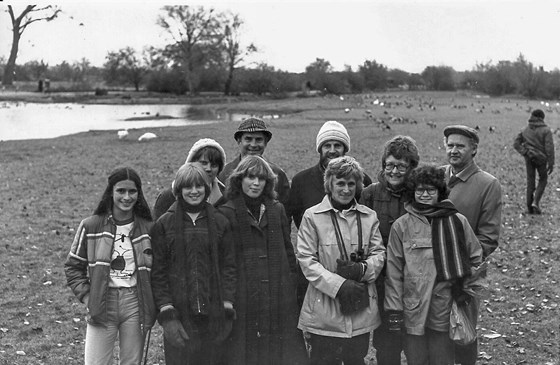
point(265, 331)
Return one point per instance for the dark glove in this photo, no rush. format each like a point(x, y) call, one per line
point(549, 169)
point(349, 269)
point(173, 330)
point(395, 321)
point(459, 295)
point(353, 296)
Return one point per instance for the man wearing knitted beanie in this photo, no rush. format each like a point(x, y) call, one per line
point(536, 145)
point(308, 186)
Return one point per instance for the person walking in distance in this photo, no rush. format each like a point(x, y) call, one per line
point(536, 145)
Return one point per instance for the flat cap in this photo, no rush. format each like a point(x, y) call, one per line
point(461, 129)
point(252, 125)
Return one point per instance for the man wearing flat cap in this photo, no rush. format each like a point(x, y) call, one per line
point(252, 137)
point(536, 145)
point(478, 196)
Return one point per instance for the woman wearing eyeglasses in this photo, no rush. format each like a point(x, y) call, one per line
point(108, 269)
point(387, 198)
point(432, 250)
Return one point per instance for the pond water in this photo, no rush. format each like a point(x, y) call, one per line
point(19, 120)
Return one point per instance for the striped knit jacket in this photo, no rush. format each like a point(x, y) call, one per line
point(88, 264)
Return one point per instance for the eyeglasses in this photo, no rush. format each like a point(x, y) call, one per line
point(430, 191)
point(401, 167)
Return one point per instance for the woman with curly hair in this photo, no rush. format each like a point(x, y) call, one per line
point(265, 331)
point(108, 269)
point(432, 251)
point(387, 197)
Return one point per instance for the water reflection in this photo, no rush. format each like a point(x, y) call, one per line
point(196, 113)
point(19, 120)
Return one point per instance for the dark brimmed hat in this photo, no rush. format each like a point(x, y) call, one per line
point(252, 125)
point(461, 129)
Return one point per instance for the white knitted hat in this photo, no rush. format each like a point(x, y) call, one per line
point(333, 131)
point(205, 142)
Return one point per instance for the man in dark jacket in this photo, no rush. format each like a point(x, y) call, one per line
point(252, 136)
point(308, 188)
point(536, 145)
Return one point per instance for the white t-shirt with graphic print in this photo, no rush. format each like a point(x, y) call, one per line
point(123, 266)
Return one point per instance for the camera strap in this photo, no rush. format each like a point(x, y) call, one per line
point(338, 235)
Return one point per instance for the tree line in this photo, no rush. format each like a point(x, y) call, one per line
point(207, 53)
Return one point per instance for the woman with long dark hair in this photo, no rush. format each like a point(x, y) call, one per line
point(108, 269)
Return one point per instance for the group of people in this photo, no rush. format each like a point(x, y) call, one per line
point(213, 262)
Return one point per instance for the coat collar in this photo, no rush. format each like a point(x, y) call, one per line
point(326, 206)
point(464, 174)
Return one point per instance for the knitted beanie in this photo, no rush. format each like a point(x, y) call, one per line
point(205, 142)
point(333, 131)
point(538, 113)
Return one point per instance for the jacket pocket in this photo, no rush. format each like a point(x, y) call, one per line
point(420, 250)
point(412, 313)
point(148, 255)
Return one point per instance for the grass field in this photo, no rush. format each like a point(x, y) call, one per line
point(47, 186)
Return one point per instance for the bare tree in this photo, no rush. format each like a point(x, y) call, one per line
point(234, 52)
point(29, 15)
point(193, 29)
point(125, 66)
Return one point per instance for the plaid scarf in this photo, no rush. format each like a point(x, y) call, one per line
point(448, 240)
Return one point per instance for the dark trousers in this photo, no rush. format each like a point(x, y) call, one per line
point(388, 345)
point(431, 348)
point(204, 355)
point(534, 194)
point(332, 350)
point(466, 355)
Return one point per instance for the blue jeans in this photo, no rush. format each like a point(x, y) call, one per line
point(122, 319)
point(432, 348)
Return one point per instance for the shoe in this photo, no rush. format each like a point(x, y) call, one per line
point(530, 210)
point(536, 209)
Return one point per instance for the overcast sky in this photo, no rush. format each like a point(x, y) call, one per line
point(405, 34)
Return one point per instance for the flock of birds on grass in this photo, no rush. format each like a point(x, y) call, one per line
point(421, 103)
